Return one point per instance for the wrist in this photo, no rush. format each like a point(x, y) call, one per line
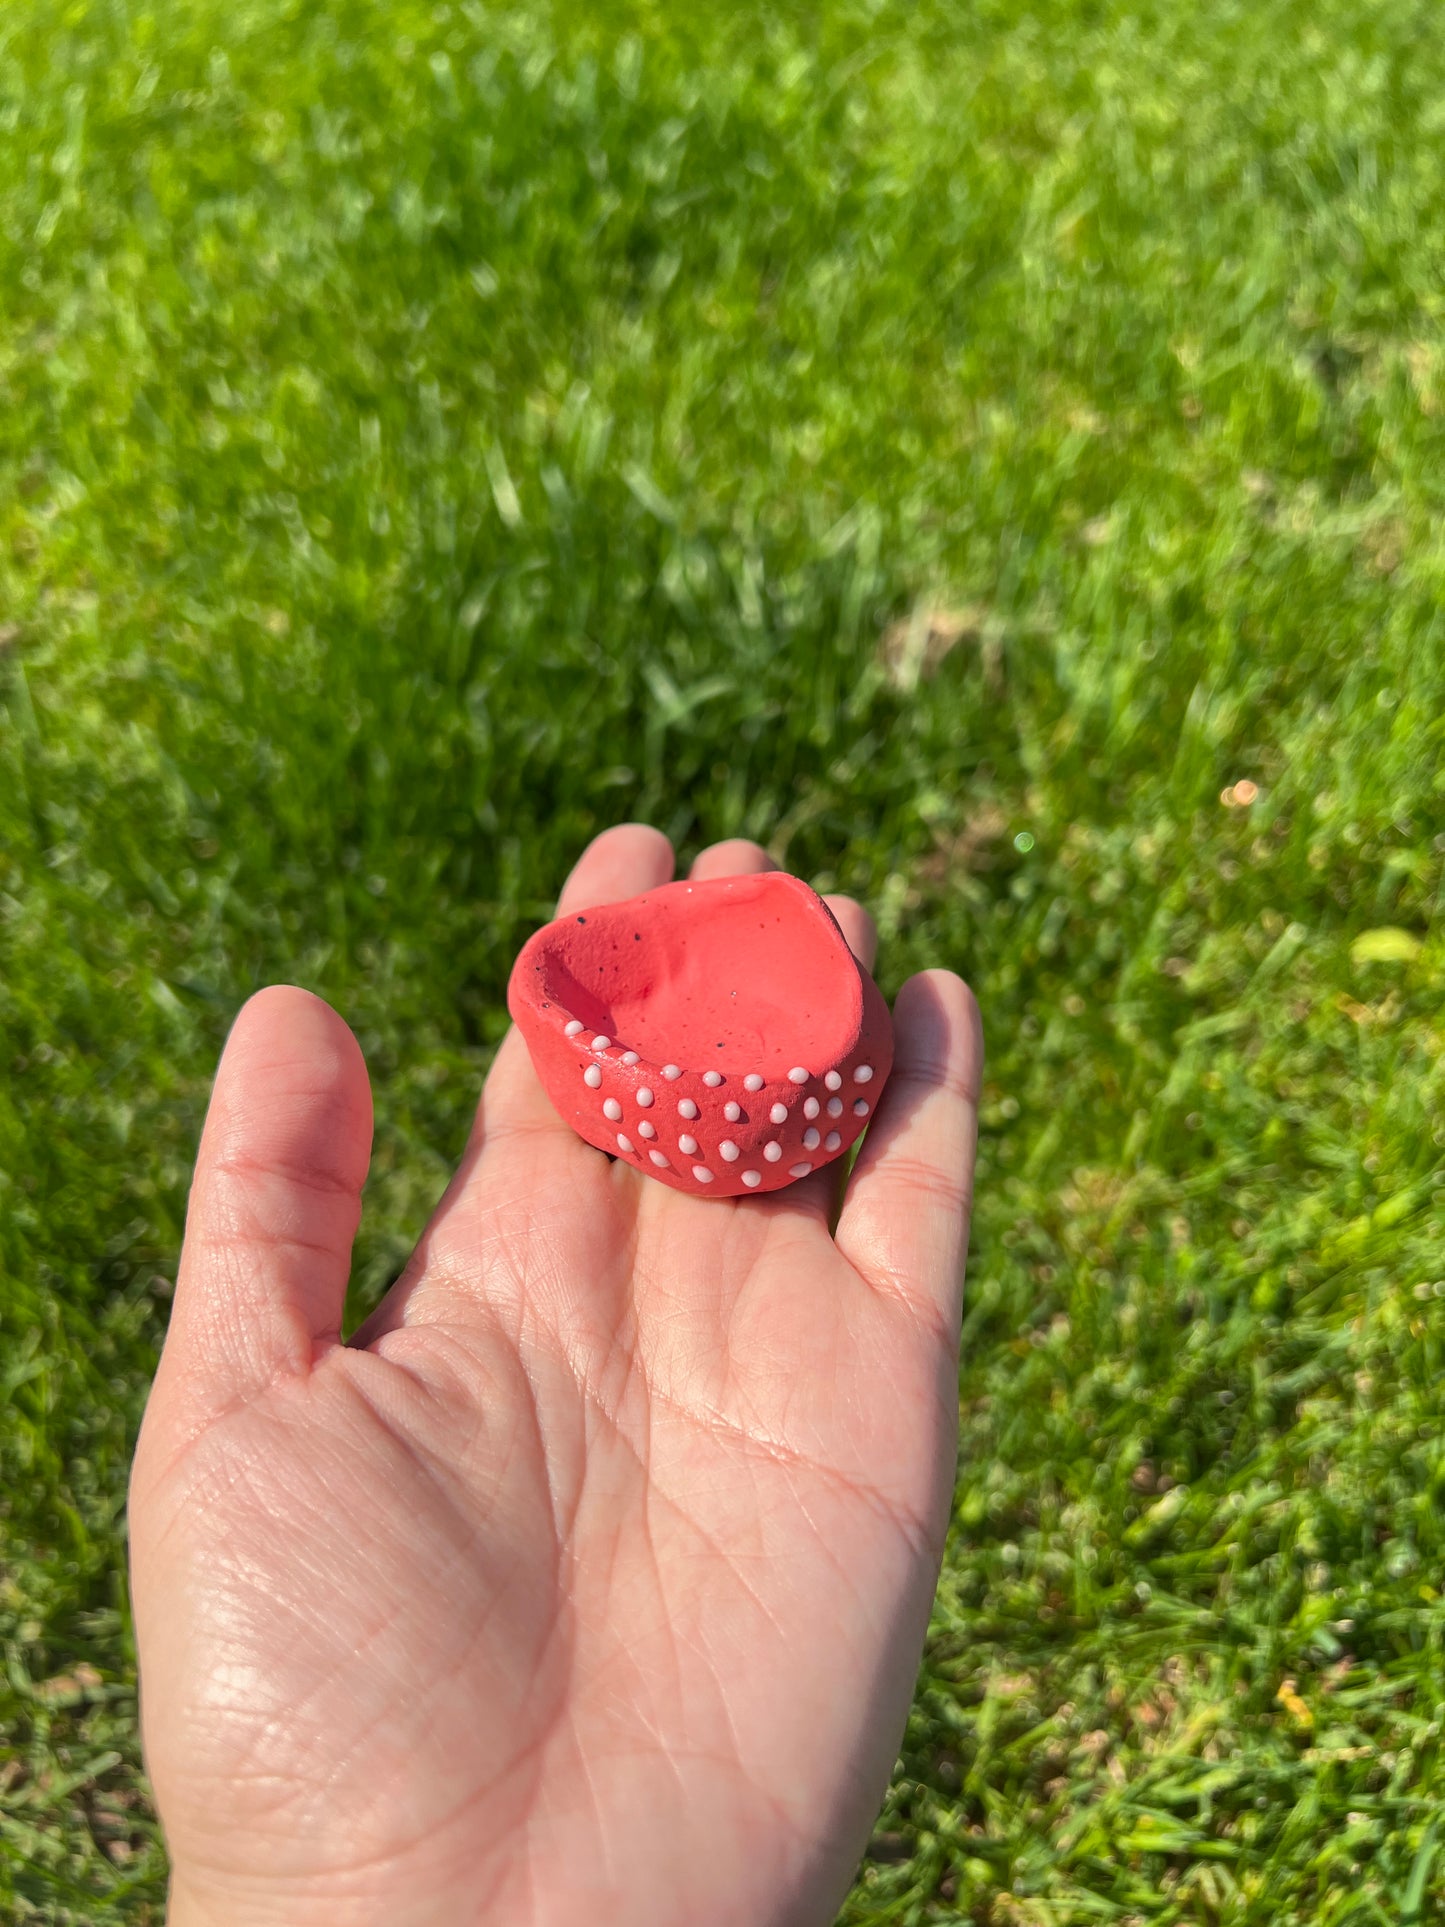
point(199, 1903)
point(204, 1901)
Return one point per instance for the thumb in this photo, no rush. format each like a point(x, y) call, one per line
point(275, 1201)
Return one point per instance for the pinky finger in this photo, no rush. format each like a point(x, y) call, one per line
point(904, 1223)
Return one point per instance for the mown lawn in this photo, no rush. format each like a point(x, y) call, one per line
point(992, 453)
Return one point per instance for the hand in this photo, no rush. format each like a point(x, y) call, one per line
point(587, 1583)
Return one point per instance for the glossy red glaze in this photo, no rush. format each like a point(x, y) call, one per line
point(745, 977)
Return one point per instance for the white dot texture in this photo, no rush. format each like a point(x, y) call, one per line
point(658, 1159)
point(687, 1145)
point(612, 1109)
point(810, 1107)
point(601, 1043)
point(624, 1142)
point(860, 1107)
point(772, 1152)
point(798, 1075)
point(712, 1079)
point(729, 1150)
point(810, 1139)
point(833, 1081)
point(644, 1096)
point(672, 1072)
point(835, 1107)
point(779, 1114)
point(702, 1174)
point(732, 1112)
point(752, 1179)
point(862, 1073)
point(832, 1141)
point(592, 1076)
point(644, 1129)
point(752, 1082)
point(687, 1108)
point(572, 1029)
point(799, 1170)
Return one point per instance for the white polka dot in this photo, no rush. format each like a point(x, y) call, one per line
point(862, 1073)
point(860, 1107)
point(712, 1079)
point(752, 1179)
point(658, 1158)
point(644, 1129)
point(798, 1075)
point(644, 1096)
point(686, 1108)
point(601, 1043)
point(799, 1170)
point(624, 1143)
point(612, 1109)
point(810, 1139)
point(572, 1029)
point(671, 1072)
point(687, 1145)
point(752, 1082)
point(810, 1107)
point(732, 1112)
point(729, 1150)
point(832, 1141)
point(629, 1057)
point(702, 1174)
point(772, 1152)
point(833, 1081)
point(779, 1114)
point(835, 1107)
point(592, 1076)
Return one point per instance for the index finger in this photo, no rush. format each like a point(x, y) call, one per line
point(515, 1116)
point(621, 862)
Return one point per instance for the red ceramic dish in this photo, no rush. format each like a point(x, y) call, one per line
point(721, 1036)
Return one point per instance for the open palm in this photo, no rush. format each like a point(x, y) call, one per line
point(587, 1582)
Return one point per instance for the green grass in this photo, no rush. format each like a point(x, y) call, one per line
point(430, 433)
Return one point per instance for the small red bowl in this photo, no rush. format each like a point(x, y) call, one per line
point(721, 1037)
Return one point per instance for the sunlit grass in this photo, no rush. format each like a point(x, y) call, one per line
point(996, 457)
